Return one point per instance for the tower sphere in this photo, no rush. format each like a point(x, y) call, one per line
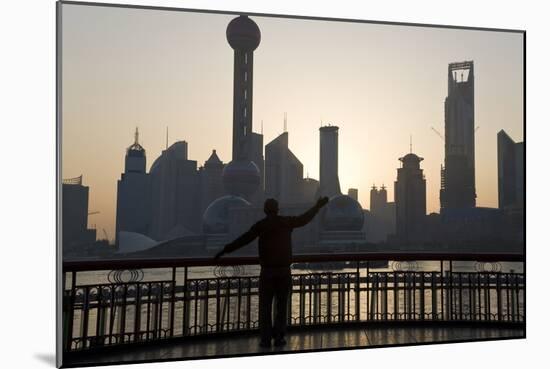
point(243, 34)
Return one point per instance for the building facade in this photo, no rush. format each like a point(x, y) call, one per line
point(329, 184)
point(510, 172)
point(133, 209)
point(410, 199)
point(74, 217)
point(458, 173)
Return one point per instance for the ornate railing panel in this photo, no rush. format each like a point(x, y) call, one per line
point(130, 310)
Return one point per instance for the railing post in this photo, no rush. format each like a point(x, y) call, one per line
point(395, 295)
point(85, 316)
point(451, 290)
point(357, 293)
point(137, 317)
point(434, 296)
point(460, 296)
point(122, 327)
point(218, 307)
point(422, 297)
point(329, 297)
point(173, 302)
point(514, 296)
point(442, 284)
point(185, 310)
point(70, 312)
point(239, 293)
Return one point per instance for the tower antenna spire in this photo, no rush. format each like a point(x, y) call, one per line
point(136, 136)
point(411, 144)
point(262, 127)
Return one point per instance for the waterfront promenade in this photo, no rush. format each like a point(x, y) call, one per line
point(299, 340)
point(171, 309)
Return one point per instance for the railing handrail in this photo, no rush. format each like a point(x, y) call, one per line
point(109, 264)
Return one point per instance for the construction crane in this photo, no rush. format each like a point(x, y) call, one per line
point(105, 233)
point(443, 137)
point(438, 133)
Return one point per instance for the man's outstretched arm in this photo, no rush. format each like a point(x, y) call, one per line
point(305, 218)
point(239, 242)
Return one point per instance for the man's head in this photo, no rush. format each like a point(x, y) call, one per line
point(271, 207)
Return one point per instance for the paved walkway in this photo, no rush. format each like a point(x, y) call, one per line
point(299, 340)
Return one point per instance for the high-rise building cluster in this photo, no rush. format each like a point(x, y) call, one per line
point(178, 200)
point(180, 204)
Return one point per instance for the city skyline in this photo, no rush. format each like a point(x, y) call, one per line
point(353, 127)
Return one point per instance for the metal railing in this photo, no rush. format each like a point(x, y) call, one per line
point(176, 302)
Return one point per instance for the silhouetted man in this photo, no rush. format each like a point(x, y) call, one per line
point(275, 252)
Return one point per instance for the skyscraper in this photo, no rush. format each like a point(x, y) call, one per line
point(175, 194)
point(284, 172)
point(211, 185)
point(329, 184)
point(458, 174)
point(74, 217)
point(381, 218)
point(510, 172)
point(133, 212)
point(410, 199)
point(353, 193)
point(257, 157)
point(378, 199)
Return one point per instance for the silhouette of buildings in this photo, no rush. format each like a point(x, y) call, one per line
point(183, 207)
point(341, 224)
point(353, 193)
point(211, 184)
point(458, 174)
point(74, 217)
point(381, 217)
point(284, 174)
point(133, 209)
point(510, 172)
point(175, 194)
point(329, 184)
point(342, 219)
point(310, 187)
point(410, 199)
point(257, 157)
point(378, 198)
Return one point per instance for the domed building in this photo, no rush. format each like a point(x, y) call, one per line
point(341, 226)
point(216, 218)
point(343, 213)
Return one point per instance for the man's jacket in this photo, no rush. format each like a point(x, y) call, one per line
point(275, 237)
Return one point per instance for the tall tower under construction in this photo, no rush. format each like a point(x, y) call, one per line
point(458, 173)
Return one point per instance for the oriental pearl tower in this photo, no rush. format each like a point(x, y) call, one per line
point(241, 177)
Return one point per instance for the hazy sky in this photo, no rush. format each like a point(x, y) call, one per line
point(380, 84)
